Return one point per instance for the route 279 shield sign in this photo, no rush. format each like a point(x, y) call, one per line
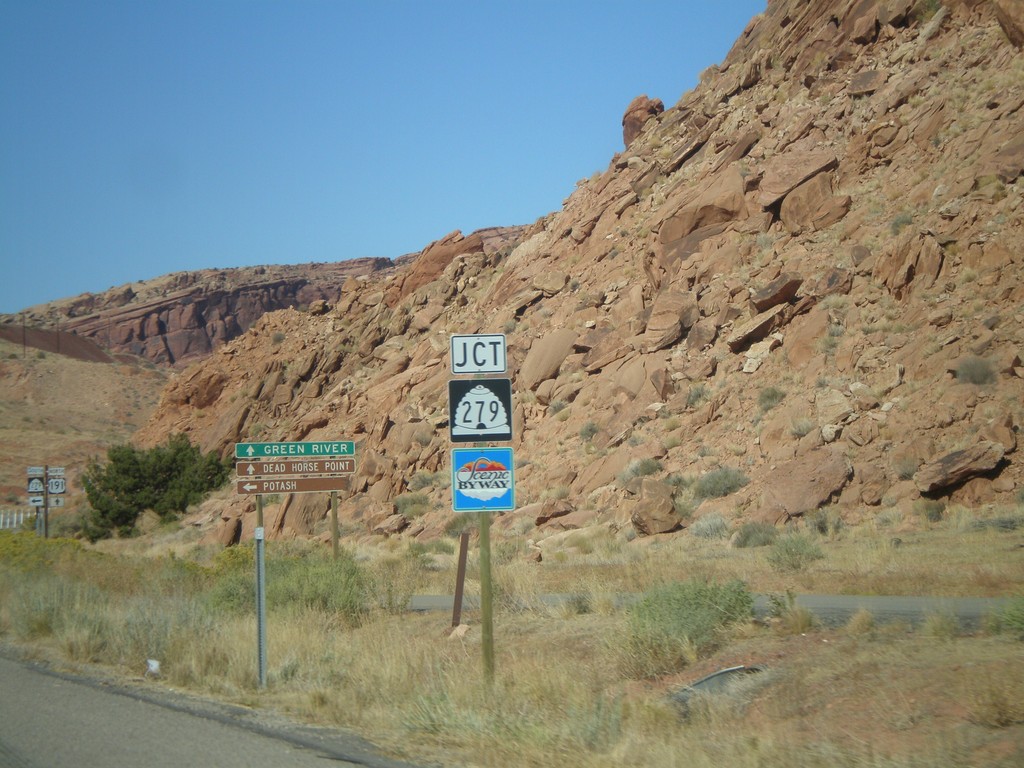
point(480, 410)
point(483, 480)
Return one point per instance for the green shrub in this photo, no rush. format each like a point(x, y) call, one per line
point(769, 397)
point(802, 426)
point(697, 395)
point(794, 552)
point(588, 430)
point(719, 482)
point(1011, 617)
point(711, 526)
point(412, 504)
point(975, 370)
point(754, 534)
point(672, 625)
point(422, 480)
point(906, 467)
point(931, 510)
point(902, 220)
point(165, 479)
point(639, 468)
point(315, 582)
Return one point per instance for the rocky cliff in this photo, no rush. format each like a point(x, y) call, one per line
point(184, 316)
point(798, 291)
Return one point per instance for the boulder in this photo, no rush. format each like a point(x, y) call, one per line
point(863, 83)
point(1010, 14)
point(955, 467)
point(545, 358)
point(805, 483)
point(550, 509)
point(813, 206)
point(640, 110)
point(391, 525)
point(913, 257)
point(672, 315)
point(720, 201)
point(781, 290)
point(786, 172)
point(755, 329)
point(655, 512)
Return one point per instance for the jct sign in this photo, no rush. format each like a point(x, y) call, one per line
point(478, 353)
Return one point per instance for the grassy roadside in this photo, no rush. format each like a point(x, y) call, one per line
point(583, 683)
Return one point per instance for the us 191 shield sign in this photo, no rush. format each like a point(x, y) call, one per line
point(483, 480)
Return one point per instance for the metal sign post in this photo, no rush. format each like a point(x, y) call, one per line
point(486, 603)
point(261, 597)
point(480, 411)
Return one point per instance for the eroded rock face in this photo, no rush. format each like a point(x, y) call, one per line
point(810, 264)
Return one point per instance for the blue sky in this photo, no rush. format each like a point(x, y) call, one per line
point(142, 138)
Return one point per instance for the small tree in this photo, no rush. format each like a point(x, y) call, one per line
point(166, 479)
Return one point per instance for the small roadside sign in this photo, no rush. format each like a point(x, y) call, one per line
point(480, 410)
point(483, 480)
point(291, 485)
point(294, 467)
point(56, 501)
point(319, 449)
point(55, 472)
point(36, 501)
point(56, 485)
point(479, 353)
point(35, 485)
point(36, 471)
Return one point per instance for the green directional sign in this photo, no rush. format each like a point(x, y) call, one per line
point(309, 449)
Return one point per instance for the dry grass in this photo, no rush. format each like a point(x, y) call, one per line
point(864, 695)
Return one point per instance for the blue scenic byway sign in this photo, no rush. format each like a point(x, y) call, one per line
point(483, 480)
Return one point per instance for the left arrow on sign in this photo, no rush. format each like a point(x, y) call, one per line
point(250, 487)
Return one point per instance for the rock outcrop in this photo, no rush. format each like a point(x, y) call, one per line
point(805, 279)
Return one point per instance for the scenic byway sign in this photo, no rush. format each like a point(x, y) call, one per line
point(309, 449)
point(483, 480)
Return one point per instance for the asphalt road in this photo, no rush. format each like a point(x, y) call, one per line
point(830, 610)
point(51, 720)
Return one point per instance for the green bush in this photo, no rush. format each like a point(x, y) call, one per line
point(794, 552)
point(588, 430)
point(314, 582)
point(755, 535)
point(639, 468)
point(902, 220)
point(421, 480)
point(931, 510)
point(769, 397)
point(673, 624)
point(975, 370)
point(711, 526)
point(1011, 618)
point(719, 482)
point(412, 504)
point(165, 479)
point(698, 394)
